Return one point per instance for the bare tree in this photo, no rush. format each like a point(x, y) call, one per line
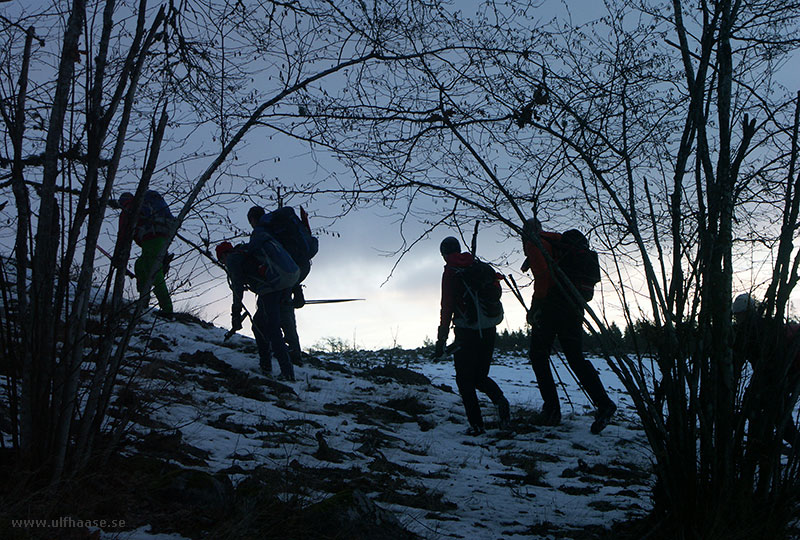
point(663, 130)
point(143, 96)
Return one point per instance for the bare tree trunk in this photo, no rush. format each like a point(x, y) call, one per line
point(74, 345)
point(36, 384)
point(100, 391)
point(778, 292)
point(17, 127)
point(719, 273)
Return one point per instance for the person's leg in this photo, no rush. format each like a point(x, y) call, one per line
point(271, 304)
point(788, 403)
point(262, 342)
point(542, 336)
point(483, 360)
point(289, 326)
point(140, 271)
point(466, 375)
point(570, 334)
point(790, 434)
point(486, 384)
point(145, 264)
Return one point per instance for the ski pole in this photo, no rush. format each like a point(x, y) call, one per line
point(516, 287)
point(334, 300)
point(474, 245)
point(199, 249)
point(515, 291)
point(563, 386)
point(230, 332)
point(575, 378)
point(107, 254)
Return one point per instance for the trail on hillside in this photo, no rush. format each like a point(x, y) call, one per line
point(390, 425)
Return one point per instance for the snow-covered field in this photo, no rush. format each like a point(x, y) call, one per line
point(358, 411)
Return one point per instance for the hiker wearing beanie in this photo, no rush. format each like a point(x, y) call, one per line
point(464, 281)
point(149, 230)
point(772, 347)
point(294, 235)
point(554, 313)
point(244, 272)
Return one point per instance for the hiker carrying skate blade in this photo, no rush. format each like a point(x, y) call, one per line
point(263, 267)
point(555, 312)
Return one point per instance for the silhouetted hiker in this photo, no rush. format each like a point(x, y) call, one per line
point(471, 300)
point(248, 271)
point(773, 350)
point(294, 234)
point(556, 313)
point(150, 233)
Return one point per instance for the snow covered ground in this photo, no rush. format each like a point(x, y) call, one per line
point(366, 412)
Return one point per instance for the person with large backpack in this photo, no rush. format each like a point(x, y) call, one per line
point(772, 347)
point(149, 228)
point(471, 301)
point(294, 234)
point(555, 311)
point(263, 267)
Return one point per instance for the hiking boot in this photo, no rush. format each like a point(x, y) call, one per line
point(296, 357)
point(168, 315)
point(549, 416)
point(602, 416)
point(166, 263)
point(504, 413)
point(286, 378)
point(474, 431)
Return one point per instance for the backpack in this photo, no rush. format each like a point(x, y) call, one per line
point(482, 292)
point(155, 217)
point(578, 261)
point(276, 268)
point(293, 234)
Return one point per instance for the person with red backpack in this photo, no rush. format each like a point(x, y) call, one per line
point(245, 268)
point(471, 300)
point(772, 348)
point(149, 228)
point(556, 312)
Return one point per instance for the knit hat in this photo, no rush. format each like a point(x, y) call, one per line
point(223, 249)
point(744, 302)
point(450, 245)
point(254, 214)
point(530, 228)
point(125, 198)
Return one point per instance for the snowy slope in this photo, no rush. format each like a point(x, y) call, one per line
point(396, 434)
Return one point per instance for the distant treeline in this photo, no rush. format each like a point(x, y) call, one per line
point(641, 337)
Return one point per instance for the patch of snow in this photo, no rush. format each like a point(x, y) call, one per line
point(497, 484)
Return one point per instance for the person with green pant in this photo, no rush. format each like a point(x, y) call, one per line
point(150, 232)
